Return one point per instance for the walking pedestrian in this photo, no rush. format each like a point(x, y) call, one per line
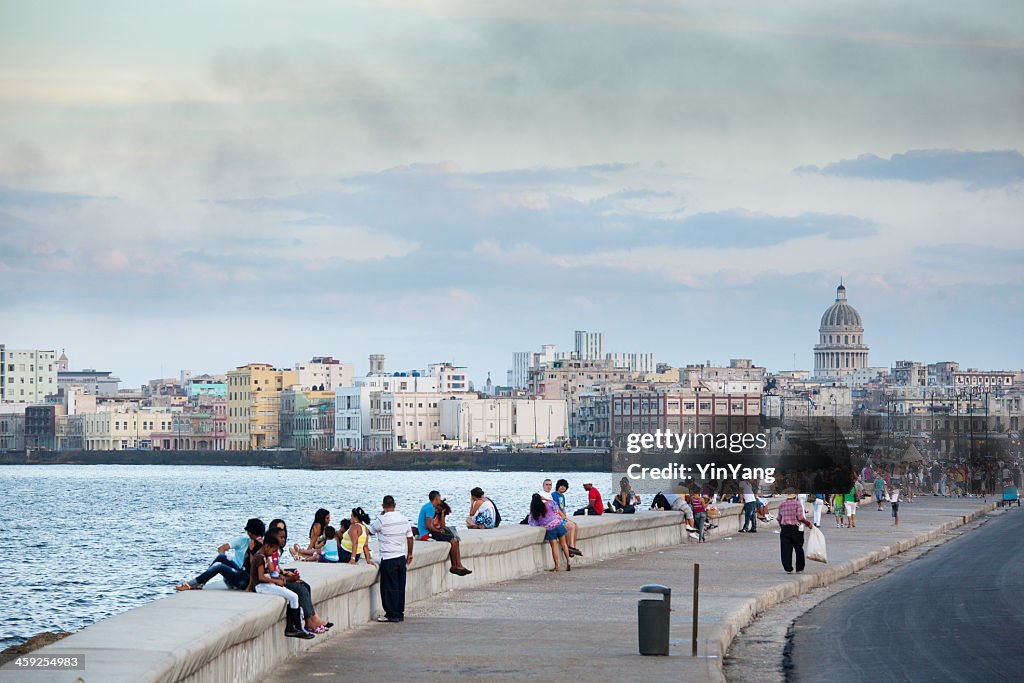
point(394, 541)
point(819, 505)
point(791, 516)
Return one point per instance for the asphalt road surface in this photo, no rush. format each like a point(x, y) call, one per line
point(956, 614)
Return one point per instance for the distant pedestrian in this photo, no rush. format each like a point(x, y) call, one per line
point(819, 505)
point(894, 501)
point(839, 509)
point(394, 541)
point(850, 506)
point(791, 516)
point(879, 489)
point(748, 491)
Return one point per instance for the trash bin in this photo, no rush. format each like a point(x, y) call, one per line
point(653, 620)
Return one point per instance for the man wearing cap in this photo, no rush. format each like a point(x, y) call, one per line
point(231, 569)
point(791, 516)
point(595, 506)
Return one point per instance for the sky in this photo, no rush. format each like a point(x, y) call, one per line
point(199, 185)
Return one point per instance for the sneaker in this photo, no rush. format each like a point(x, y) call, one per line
point(385, 619)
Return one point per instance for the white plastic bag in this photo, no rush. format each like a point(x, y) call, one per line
point(816, 546)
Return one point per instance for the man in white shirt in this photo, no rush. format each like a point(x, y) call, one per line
point(394, 542)
point(545, 491)
point(747, 488)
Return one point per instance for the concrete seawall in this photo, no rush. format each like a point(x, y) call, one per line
point(540, 461)
point(213, 635)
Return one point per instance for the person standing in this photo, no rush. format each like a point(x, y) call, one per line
point(894, 501)
point(394, 541)
point(851, 507)
point(879, 489)
point(791, 516)
point(749, 506)
point(819, 504)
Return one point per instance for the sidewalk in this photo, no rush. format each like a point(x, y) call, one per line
point(583, 623)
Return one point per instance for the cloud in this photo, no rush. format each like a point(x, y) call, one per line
point(10, 196)
point(978, 170)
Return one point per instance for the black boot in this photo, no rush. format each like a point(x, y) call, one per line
point(293, 625)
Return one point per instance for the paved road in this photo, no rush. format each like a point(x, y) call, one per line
point(956, 614)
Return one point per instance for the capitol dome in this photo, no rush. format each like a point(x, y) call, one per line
point(841, 313)
point(840, 349)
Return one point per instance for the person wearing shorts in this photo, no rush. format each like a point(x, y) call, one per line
point(850, 507)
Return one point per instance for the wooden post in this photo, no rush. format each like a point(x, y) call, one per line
point(696, 598)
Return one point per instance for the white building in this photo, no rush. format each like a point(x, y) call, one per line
point(589, 345)
point(840, 349)
point(362, 413)
point(124, 428)
point(635, 362)
point(481, 421)
point(325, 373)
point(450, 378)
point(27, 375)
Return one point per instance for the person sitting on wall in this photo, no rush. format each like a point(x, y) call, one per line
point(558, 497)
point(295, 584)
point(595, 506)
point(311, 553)
point(231, 569)
point(428, 529)
point(483, 513)
point(625, 500)
point(265, 577)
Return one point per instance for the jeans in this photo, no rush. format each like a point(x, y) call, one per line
point(274, 589)
point(301, 589)
point(750, 516)
point(392, 587)
point(792, 540)
point(234, 576)
point(698, 521)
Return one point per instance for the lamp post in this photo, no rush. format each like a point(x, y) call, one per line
point(835, 429)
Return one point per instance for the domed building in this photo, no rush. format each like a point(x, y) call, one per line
point(840, 349)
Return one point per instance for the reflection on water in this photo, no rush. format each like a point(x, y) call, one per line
point(87, 542)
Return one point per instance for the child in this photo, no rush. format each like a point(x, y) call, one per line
point(330, 549)
point(839, 509)
point(894, 501)
point(266, 578)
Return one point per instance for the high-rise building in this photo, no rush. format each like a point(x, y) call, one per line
point(254, 405)
point(27, 375)
point(589, 345)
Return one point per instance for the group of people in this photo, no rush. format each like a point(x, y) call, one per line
point(255, 566)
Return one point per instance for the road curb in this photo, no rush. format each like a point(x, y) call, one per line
point(793, 588)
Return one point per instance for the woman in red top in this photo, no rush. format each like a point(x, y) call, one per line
point(699, 503)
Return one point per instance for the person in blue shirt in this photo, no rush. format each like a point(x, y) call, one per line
point(879, 489)
point(559, 497)
point(427, 528)
point(232, 569)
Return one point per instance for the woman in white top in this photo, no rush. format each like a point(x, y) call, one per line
point(482, 513)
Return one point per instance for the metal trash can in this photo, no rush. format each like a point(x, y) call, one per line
point(653, 620)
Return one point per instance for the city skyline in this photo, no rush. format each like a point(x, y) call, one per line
point(456, 181)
